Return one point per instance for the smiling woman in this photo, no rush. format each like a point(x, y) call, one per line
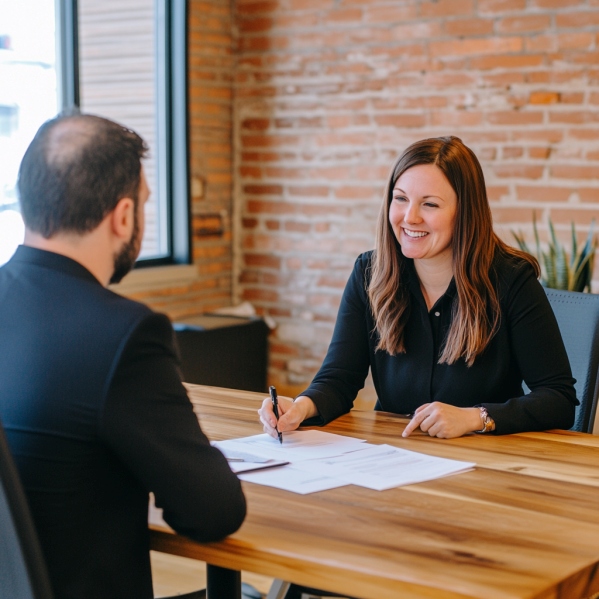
point(450, 319)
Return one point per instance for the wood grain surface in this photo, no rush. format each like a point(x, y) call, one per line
point(523, 524)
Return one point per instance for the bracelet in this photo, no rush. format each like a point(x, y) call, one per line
point(488, 422)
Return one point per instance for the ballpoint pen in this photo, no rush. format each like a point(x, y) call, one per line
point(275, 408)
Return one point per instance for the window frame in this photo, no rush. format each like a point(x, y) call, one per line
point(172, 112)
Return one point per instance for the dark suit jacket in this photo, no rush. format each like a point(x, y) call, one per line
point(96, 417)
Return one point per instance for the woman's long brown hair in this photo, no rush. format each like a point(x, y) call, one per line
point(476, 313)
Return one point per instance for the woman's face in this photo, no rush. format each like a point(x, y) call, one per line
point(422, 213)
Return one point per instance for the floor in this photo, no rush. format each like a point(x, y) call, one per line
point(174, 575)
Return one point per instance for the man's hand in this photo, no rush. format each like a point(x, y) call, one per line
point(444, 421)
point(291, 414)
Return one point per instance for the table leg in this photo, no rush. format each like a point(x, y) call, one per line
point(223, 583)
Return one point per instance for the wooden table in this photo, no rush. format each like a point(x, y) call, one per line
point(523, 524)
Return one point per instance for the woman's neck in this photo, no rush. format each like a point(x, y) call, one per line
point(434, 276)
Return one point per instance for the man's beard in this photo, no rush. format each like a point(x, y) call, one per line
point(125, 259)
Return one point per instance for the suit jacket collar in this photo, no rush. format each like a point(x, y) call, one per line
point(30, 255)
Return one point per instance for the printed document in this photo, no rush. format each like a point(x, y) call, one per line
point(315, 460)
point(296, 446)
point(381, 467)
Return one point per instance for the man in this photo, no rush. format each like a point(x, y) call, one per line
point(90, 393)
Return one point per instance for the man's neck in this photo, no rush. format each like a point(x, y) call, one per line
point(80, 248)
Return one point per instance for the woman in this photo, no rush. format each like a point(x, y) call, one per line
point(449, 318)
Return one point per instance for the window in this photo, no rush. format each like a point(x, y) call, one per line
point(123, 59)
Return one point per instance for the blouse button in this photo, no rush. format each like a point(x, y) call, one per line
point(437, 313)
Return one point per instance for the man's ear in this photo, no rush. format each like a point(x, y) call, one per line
point(122, 218)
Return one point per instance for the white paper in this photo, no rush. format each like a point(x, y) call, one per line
point(296, 446)
point(383, 467)
point(242, 461)
point(291, 479)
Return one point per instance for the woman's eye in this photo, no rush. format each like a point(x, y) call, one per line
point(431, 204)
point(399, 198)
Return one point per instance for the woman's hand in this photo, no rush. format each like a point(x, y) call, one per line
point(444, 421)
point(291, 414)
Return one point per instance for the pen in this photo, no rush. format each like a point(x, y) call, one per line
point(275, 408)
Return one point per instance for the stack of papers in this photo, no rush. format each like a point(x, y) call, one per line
point(315, 461)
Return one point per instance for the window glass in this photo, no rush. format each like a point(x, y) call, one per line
point(117, 79)
point(28, 97)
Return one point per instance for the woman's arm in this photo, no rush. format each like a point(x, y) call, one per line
point(342, 374)
point(538, 349)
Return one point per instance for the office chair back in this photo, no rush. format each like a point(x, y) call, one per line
point(578, 319)
point(22, 568)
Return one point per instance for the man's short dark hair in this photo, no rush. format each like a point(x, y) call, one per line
point(75, 171)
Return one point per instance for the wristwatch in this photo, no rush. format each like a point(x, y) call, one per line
point(488, 422)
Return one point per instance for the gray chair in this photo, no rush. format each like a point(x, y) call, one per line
point(577, 315)
point(22, 568)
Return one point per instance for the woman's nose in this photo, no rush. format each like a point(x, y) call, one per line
point(412, 214)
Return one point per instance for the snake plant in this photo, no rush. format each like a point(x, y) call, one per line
point(557, 270)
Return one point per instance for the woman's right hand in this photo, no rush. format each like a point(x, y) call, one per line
point(291, 414)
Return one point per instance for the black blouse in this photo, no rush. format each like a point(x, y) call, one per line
point(527, 347)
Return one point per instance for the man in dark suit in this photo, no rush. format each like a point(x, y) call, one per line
point(90, 392)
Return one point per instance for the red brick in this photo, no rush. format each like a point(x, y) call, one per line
point(556, 3)
point(512, 117)
point(540, 43)
point(520, 171)
point(574, 172)
point(250, 172)
point(541, 153)
point(511, 214)
point(260, 207)
point(493, 45)
point(454, 118)
point(524, 24)
point(496, 192)
point(468, 27)
point(422, 29)
point(255, 124)
point(571, 19)
point(543, 193)
point(256, 6)
point(579, 116)
point(310, 4)
point(580, 216)
point(589, 194)
point(263, 189)
point(297, 227)
point(273, 225)
point(572, 97)
point(309, 191)
point(544, 98)
point(507, 61)
point(249, 223)
point(512, 152)
point(400, 120)
point(262, 260)
point(500, 6)
point(354, 192)
point(446, 8)
point(262, 295)
point(576, 41)
point(389, 14)
point(550, 136)
point(255, 24)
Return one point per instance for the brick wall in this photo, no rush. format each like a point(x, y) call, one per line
point(328, 92)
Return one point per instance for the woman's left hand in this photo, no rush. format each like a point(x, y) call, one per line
point(444, 421)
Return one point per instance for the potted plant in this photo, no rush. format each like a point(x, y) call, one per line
point(558, 271)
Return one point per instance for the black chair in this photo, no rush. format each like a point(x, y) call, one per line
point(577, 315)
point(23, 572)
